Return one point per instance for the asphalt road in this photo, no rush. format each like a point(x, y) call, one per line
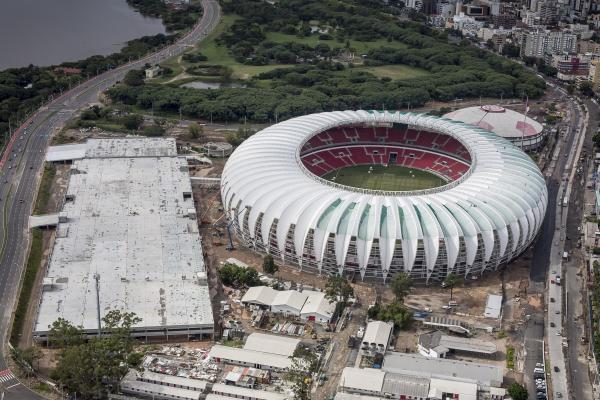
point(575, 267)
point(20, 172)
point(543, 248)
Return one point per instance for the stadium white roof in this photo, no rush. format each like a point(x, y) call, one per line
point(502, 121)
point(503, 194)
point(127, 221)
point(274, 344)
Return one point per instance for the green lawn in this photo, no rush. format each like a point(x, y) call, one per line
point(391, 178)
point(356, 46)
point(396, 71)
point(220, 55)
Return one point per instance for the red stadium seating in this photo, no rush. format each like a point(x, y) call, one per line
point(354, 145)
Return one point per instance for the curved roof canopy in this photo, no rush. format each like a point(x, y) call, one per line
point(502, 192)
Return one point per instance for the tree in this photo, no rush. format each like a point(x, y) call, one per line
point(401, 286)
point(304, 365)
point(153, 130)
point(517, 391)
point(63, 334)
point(394, 312)
point(132, 122)
point(586, 88)
point(195, 130)
point(90, 369)
point(134, 78)
point(451, 280)
point(269, 265)
point(339, 289)
point(236, 276)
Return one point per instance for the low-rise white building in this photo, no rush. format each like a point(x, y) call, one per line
point(317, 308)
point(377, 337)
point(275, 344)
point(309, 305)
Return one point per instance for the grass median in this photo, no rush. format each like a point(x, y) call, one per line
point(43, 197)
point(34, 262)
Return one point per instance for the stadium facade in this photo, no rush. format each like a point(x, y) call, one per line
point(489, 210)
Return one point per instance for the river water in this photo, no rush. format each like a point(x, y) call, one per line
point(47, 32)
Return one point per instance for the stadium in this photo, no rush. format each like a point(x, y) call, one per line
point(369, 194)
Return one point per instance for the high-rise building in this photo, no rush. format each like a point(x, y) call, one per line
point(541, 42)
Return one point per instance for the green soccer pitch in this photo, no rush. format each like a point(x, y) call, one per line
point(390, 178)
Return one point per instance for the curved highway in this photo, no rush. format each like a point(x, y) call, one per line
point(21, 169)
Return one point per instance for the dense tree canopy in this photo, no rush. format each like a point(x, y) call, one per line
point(88, 370)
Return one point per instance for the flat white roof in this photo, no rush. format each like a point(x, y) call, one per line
point(468, 344)
point(493, 306)
point(378, 332)
point(290, 298)
point(362, 379)
point(251, 356)
point(263, 295)
point(353, 396)
point(317, 304)
point(306, 302)
point(128, 222)
point(196, 384)
point(43, 220)
point(242, 392)
point(464, 390)
point(415, 387)
point(485, 375)
point(66, 152)
point(152, 388)
point(274, 344)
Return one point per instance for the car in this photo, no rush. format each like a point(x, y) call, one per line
point(21, 201)
point(552, 300)
point(558, 395)
point(552, 325)
point(556, 369)
point(540, 365)
point(557, 312)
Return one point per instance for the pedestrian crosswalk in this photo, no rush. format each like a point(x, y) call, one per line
point(6, 376)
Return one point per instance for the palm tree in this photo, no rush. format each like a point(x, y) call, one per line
point(451, 280)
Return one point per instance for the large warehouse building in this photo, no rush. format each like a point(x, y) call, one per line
point(129, 220)
point(376, 193)
point(504, 122)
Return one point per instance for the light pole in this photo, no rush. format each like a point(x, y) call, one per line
point(97, 279)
